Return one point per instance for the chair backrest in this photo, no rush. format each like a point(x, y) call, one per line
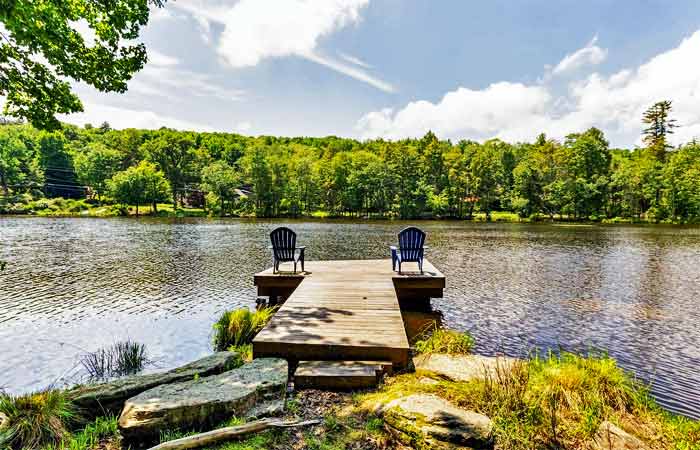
point(284, 242)
point(411, 242)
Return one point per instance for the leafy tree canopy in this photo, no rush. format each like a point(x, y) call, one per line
point(41, 47)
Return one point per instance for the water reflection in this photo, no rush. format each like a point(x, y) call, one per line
point(73, 285)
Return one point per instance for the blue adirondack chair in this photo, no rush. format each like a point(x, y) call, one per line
point(284, 249)
point(410, 248)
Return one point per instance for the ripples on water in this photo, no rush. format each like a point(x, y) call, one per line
point(73, 285)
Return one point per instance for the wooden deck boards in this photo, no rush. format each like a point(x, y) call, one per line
point(340, 310)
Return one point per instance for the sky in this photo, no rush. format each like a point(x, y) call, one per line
point(507, 69)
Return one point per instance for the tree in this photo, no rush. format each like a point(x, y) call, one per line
point(13, 155)
point(660, 125)
point(222, 180)
point(96, 165)
point(41, 46)
point(139, 184)
point(173, 152)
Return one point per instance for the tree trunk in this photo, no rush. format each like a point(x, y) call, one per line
point(223, 434)
point(137, 209)
point(3, 183)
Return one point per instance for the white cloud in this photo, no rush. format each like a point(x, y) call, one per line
point(119, 118)
point(243, 127)
point(515, 111)
point(255, 30)
point(354, 60)
point(351, 71)
point(161, 77)
point(591, 54)
point(157, 58)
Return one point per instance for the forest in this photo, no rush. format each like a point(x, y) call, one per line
point(581, 178)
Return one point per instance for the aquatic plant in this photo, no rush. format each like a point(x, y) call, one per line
point(441, 340)
point(239, 327)
point(123, 358)
point(35, 419)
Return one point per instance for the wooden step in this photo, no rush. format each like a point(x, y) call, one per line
point(339, 375)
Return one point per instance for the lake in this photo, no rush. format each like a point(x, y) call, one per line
point(73, 285)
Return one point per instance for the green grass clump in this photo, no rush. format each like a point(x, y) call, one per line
point(555, 401)
point(123, 358)
point(36, 419)
point(92, 435)
point(442, 340)
point(245, 351)
point(239, 327)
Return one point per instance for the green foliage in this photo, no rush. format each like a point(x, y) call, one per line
point(220, 179)
point(238, 327)
point(138, 185)
point(244, 350)
point(122, 358)
point(41, 46)
point(443, 340)
point(555, 401)
point(92, 435)
point(579, 179)
point(96, 165)
point(36, 419)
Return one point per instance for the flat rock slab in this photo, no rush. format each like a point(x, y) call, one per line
point(611, 437)
point(199, 404)
point(428, 421)
point(463, 368)
point(108, 398)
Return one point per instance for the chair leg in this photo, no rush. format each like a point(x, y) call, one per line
point(295, 267)
point(399, 267)
point(302, 265)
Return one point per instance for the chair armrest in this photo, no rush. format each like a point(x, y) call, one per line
point(393, 247)
point(302, 247)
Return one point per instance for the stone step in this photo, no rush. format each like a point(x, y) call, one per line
point(340, 375)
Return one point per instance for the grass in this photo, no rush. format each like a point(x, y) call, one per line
point(36, 419)
point(442, 340)
point(123, 358)
point(555, 401)
point(238, 327)
point(91, 436)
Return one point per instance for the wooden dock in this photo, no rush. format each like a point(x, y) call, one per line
point(343, 310)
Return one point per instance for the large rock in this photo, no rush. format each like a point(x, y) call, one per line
point(108, 398)
point(199, 404)
point(463, 368)
point(427, 421)
point(611, 437)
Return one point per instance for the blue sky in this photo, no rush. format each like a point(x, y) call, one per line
point(392, 68)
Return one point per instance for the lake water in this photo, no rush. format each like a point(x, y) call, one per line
point(74, 285)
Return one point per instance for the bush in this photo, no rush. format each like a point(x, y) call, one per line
point(36, 419)
point(122, 358)
point(239, 327)
point(441, 340)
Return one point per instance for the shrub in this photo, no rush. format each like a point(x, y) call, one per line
point(239, 327)
point(441, 340)
point(122, 358)
point(36, 419)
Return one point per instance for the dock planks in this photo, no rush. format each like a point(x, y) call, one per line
point(341, 310)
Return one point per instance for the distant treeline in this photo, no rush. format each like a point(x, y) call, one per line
point(580, 178)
